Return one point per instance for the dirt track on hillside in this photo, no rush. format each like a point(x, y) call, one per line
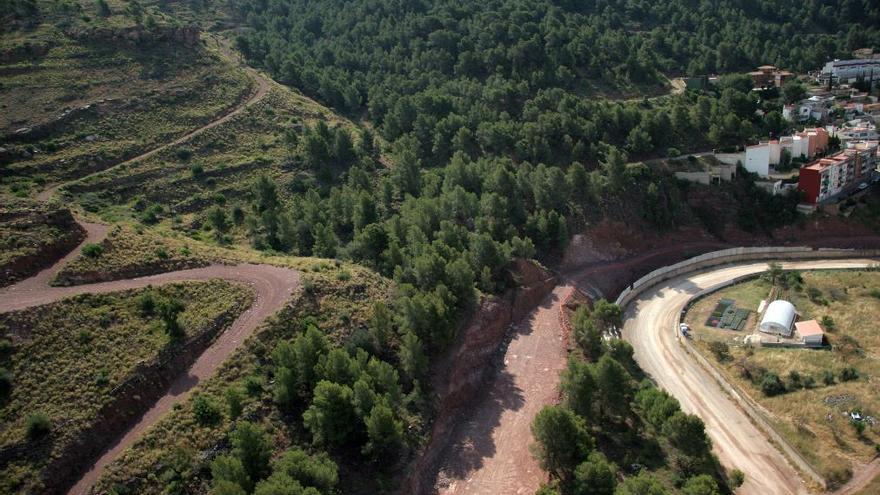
point(261, 88)
point(272, 288)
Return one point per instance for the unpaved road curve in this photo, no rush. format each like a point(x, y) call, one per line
point(272, 288)
point(650, 325)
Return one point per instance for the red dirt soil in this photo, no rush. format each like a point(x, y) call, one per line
point(488, 451)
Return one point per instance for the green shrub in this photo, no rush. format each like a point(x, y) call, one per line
point(146, 303)
point(875, 293)
point(92, 250)
point(37, 425)
point(206, 412)
point(720, 350)
point(6, 348)
point(183, 153)
point(828, 377)
point(794, 380)
point(5, 384)
point(233, 401)
point(849, 374)
point(737, 478)
point(253, 385)
point(828, 323)
point(771, 384)
point(859, 426)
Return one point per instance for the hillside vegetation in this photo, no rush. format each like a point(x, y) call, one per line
point(467, 134)
point(615, 432)
point(65, 362)
point(32, 236)
point(317, 378)
point(82, 89)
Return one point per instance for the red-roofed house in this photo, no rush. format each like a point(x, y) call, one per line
point(810, 332)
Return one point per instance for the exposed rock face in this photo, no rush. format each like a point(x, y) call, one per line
point(462, 373)
point(24, 266)
point(26, 51)
point(138, 35)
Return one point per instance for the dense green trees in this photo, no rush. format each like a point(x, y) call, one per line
point(561, 440)
point(631, 425)
point(247, 468)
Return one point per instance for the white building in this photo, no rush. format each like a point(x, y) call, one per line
point(757, 159)
point(779, 318)
point(848, 71)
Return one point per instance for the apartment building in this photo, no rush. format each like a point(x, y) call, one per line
point(848, 71)
point(827, 177)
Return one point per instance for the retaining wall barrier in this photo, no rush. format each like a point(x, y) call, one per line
point(730, 256)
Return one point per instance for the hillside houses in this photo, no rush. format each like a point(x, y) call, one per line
point(758, 158)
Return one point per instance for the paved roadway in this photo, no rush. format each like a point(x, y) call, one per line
point(651, 324)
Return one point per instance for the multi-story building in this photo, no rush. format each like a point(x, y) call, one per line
point(758, 158)
point(768, 76)
point(848, 71)
point(827, 177)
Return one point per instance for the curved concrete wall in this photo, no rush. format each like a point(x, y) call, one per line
point(736, 255)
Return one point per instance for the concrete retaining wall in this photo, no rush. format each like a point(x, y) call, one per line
point(736, 255)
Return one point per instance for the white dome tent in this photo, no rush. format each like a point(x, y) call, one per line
point(778, 318)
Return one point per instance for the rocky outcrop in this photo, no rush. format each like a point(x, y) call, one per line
point(462, 373)
point(43, 255)
point(134, 36)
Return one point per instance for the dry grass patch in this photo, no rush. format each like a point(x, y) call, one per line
point(66, 361)
point(129, 252)
point(813, 414)
point(87, 103)
point(32, 235)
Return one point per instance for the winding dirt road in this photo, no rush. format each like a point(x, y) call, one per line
point(651, 324)
point(272, 286)
point(262, 86)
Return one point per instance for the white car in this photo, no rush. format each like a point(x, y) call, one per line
point(684, 328)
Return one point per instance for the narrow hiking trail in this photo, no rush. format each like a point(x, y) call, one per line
point(272, 286)
point(261, 87)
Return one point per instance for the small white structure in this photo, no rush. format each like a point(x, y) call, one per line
point(779, 318)
point(758, 159)
point(810, 332)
